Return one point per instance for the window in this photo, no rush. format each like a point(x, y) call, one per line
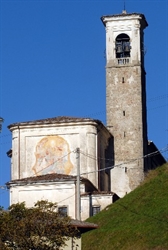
point(95, 210)
point(63, 211)
point(123, 46)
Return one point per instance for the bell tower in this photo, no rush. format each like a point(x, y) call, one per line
point(126, 98)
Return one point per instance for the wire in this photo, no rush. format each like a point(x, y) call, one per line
point(124, 163)
point(158, 107)
point(148, 155)
point(110, 159)
point(3, 187)
point(5, 143)
point(66, 198)
point(53, 163)
point(135, 212)
point(118, 165)
point(5, 135)
point(157, 98)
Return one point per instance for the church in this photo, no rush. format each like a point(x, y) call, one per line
point(80, 163)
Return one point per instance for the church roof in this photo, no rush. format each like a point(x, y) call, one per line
point(54, 177)
point(55, 120)
point(86, 226)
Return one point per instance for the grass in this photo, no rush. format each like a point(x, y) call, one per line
point(139, 221)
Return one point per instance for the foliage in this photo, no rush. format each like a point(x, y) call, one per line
point(137, 221)
point(37, 228)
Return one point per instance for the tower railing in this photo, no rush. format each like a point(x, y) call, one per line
point(123, 60)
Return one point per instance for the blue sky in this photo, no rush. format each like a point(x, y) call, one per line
point(52, 64)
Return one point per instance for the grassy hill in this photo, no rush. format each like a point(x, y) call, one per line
point(139, 221)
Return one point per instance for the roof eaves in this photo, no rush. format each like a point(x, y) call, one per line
point(48, 178)
point(83, 224)
point(56, 120)
point(124, 15)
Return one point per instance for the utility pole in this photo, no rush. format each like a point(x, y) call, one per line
point(78, 199)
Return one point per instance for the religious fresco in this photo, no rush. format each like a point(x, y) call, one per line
point(52, 156)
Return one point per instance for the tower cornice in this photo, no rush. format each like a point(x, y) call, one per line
point(124, 16)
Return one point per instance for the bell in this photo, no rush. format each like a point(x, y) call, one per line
point(119, 49)
point(127, 48)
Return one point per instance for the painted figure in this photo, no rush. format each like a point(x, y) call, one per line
point(52, 156)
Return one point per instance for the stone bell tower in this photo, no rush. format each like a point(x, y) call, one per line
point(126, 98)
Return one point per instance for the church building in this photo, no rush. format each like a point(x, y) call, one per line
point(80, 163)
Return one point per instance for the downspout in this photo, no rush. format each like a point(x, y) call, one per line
point(19, 151)
point(90, 205)
point(98, 157)
point(97, 162)
point(77, 187)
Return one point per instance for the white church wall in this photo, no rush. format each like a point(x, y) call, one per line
point(39, 150)
point(62, 193)
point(95, 200)
point(129, 26)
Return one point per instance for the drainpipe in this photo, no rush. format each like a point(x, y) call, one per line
point(19, 151)
point(78, 198)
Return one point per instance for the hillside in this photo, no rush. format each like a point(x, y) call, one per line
point(139, 221)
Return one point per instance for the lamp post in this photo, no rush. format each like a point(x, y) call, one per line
point(1, 121)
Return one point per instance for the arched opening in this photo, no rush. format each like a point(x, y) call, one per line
point(123, 47)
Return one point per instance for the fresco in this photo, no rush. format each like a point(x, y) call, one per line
point(52, 156)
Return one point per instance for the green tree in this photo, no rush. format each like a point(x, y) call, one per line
point(37, 228)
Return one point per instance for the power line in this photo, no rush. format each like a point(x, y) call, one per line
point(124, 163)
point(109, 159)
point(135, 212)
point(5, 135)
point(118, 165)
point(53, 163)
point(157, 98)
point(148, 155)
point(66, 198)
point(165, 105)
point(3, 187)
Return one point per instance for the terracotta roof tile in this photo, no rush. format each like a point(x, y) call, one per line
point(83, 224)
point(98, 192)
point(59, 119)
point(49, 178)
point(43, 178)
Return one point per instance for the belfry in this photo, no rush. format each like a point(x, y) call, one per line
point(126, 98)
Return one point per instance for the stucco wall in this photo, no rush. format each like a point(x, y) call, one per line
point(60, 192)
point(41, 150)
point(63, 193)
point(88, 201)
point(72, 244)
point(131, 27)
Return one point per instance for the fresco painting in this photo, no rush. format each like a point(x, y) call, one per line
point(52, 156)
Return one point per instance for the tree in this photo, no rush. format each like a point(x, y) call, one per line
point(37, 228)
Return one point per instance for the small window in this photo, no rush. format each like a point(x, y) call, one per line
point(95, 210)
point(63, 211)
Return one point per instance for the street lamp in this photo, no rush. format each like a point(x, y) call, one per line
point(1, 121)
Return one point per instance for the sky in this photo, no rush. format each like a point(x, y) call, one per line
point(52, 63)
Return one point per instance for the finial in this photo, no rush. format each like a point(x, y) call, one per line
point(124, 10)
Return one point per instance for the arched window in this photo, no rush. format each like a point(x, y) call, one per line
point(122, 46)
